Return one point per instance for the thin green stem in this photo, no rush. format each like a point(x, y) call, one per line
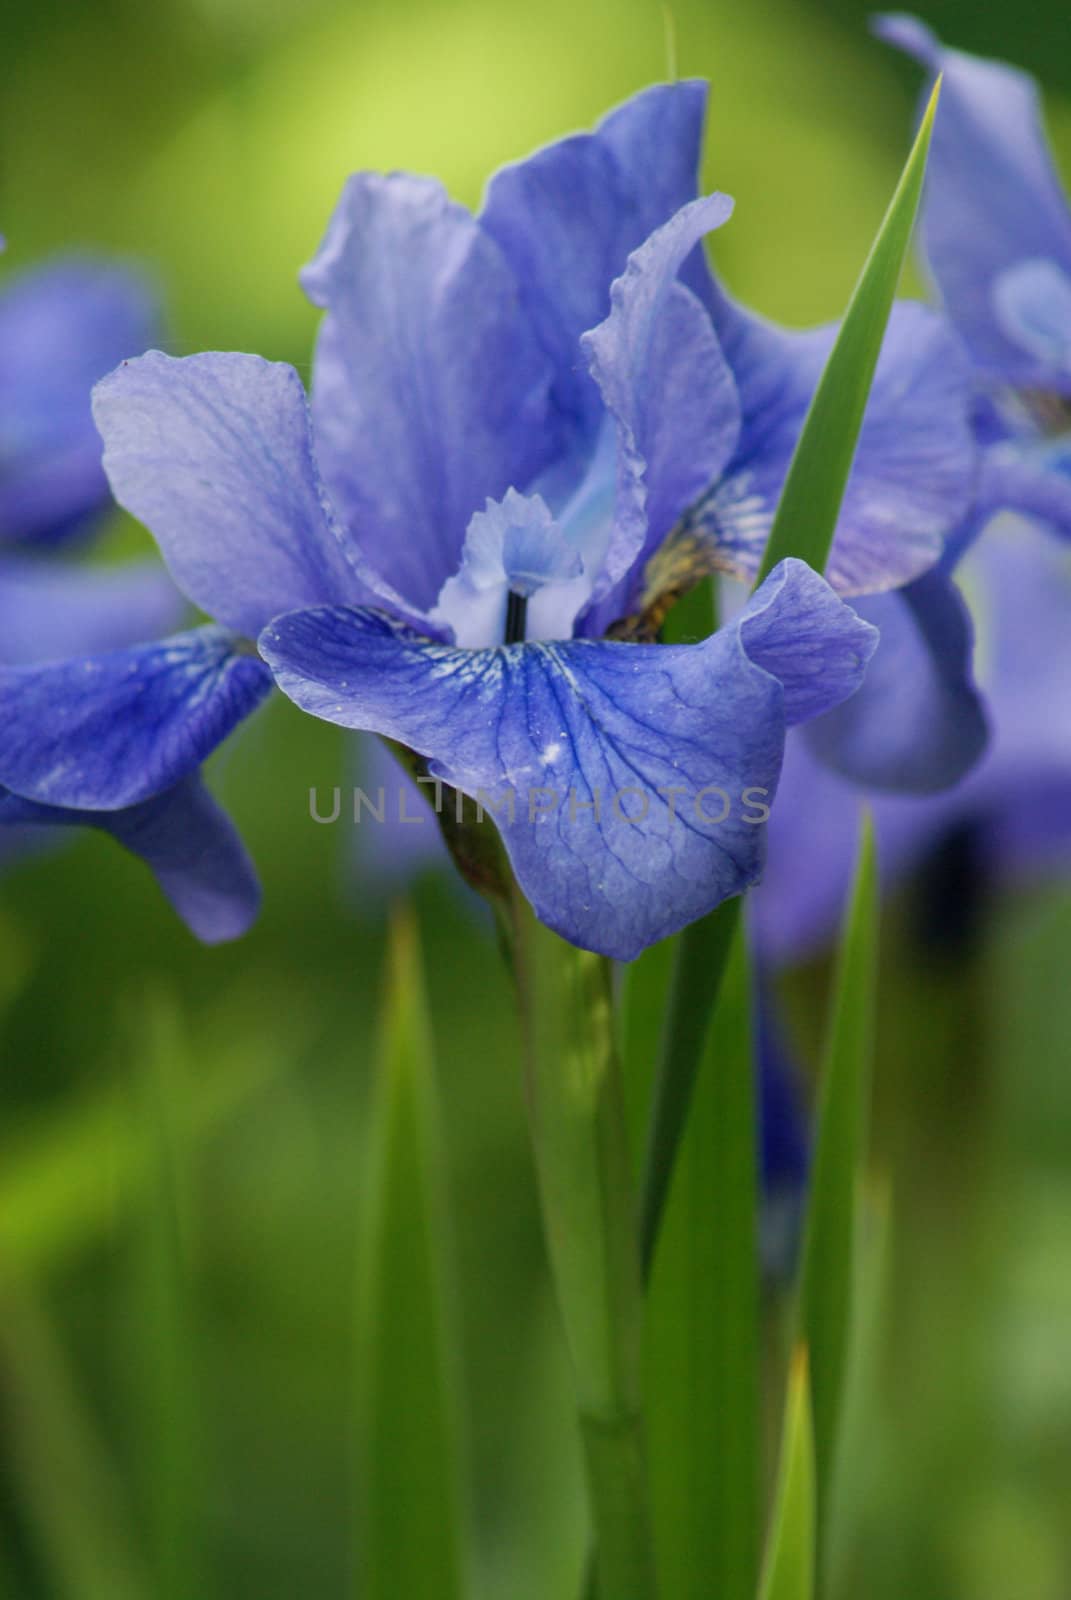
point(577, 1116)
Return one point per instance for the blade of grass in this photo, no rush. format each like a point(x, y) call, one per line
point(702, 1336)
point(806, 516)
point(788, 1567)
point(411, 1500)
point(829, 1249)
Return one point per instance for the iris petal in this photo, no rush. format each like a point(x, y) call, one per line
point(62, 326)
point(918, 723)
point(52, 609)
point(430, 392)
point(214, 454)
point(103, 732)
point(915, 467)
point(668, 388)
point(993, 198)
point(188, 842)
point(568, 217)
point(619, 774)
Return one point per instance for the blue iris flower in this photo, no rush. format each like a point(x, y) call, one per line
point(66, 625)
point(997, 236)
point(996, 232)
point(63, 326)
point(511, 416)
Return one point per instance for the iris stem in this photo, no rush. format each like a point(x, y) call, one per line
point(577, 1117)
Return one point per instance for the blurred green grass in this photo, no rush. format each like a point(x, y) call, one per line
point(210, 137)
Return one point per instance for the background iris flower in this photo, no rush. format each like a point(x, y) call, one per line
point(62, 327)
point(1017, 800)
point(998, 250)
point(990, 246)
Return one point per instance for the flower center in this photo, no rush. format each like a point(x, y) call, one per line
point(516, 618)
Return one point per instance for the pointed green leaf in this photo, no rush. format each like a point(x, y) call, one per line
point(410, 1484)
point(788, 1568)
point(703, 1312)
point(806, 515)
point(829, 1253)
point(702, 952)
point(642, 1007)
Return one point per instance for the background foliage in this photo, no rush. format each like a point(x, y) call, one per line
point(183, 1132)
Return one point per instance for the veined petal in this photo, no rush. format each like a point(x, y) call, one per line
point(668, 388)
point(51, 609)
point(62, 326)
point(214, 454)
point(914, 471)
point(189, 843)
point(568, 217)
point(918, 723)
point(993, 198)
point(430, 392)
point(102, 732)
point(627, 781)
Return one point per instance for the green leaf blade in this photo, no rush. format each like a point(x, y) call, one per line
point(701, 957)
point(829, 1252)
point(411, 1543)
point(703, 1321)
point(806, 517)
point(789, 1567)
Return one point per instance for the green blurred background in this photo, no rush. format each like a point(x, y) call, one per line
point(184, 1430)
